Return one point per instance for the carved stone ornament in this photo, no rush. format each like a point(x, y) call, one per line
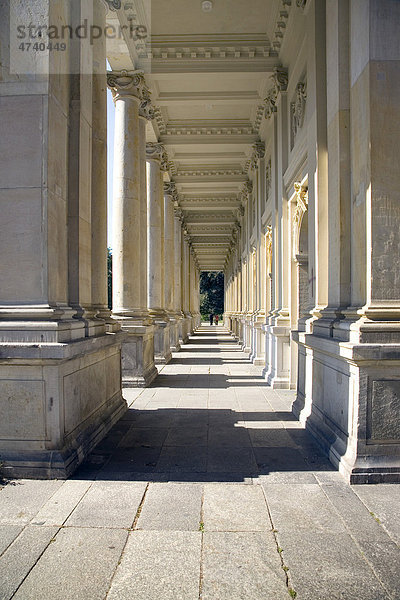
point(112, 4)
point(301, 3)
point(299, 210)
point(124, 82)
point(146, 109)
point(257, 154)
point(245, 192)
point(280, 79)
point(156, 151)
point(268, 178)
point(298, 108)
point(170, 190)
point(280, 82)
point(270, 103)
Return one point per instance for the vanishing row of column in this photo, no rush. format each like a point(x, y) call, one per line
point(155, 276)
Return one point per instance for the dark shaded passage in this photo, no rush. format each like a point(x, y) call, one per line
point(208, 416)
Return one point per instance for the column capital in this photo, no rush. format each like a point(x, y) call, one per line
point(125, 83)
point(156, 151)
point(112, 4)
point(280, 83)
point(258, 152)
point(146, 109)
point(246, 191)
point(170, 190)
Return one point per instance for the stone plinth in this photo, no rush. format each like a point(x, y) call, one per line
point(57, 401)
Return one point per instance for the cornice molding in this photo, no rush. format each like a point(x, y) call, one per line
point(280, 25)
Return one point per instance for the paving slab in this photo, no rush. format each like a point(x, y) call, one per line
point(171, 506)
point(59, 507)
point(384, 502)
point(21, 556)
point(303, 507)
point(78, 564)
point(144, 436)
point(159, 565)
point(327, 566)
point(234, 508)
point(182, 459)
point(238, 566)
point(187, 436)
point(8, 533)
point(21, 500)
point(231, 460)
point(108, 504)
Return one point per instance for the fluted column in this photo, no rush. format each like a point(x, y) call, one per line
point(170, 194)
point(177, 266)
point(186, 283)
point(129, 253)
point(156, 160)
point(99, 177)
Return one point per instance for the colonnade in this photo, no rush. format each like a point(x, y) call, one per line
point(64, 356)
point(312, 280)
point(155, 297)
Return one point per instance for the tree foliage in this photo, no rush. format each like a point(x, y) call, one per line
point(212, 292)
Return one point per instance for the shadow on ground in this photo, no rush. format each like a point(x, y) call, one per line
point(202, 445)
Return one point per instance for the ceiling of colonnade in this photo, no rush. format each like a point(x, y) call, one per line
point(208, 72)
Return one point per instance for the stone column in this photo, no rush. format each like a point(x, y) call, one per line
point(157, 158)
point(178, 274)
point(129, 255)
point(50, 417)
point(277, 370)
point(186, 283)
point(99, 177)
point(170, 196)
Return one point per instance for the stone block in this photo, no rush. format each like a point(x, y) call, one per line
point(234, 508)
point(183, 514)
point(108, 504)
point(59, 573)
point(242, 565)
point(159, 564)
point(21, 557)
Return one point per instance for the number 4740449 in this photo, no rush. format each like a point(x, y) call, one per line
point(42, 46)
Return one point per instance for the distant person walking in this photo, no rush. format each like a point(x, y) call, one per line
point(211, 319)
point(216, 319)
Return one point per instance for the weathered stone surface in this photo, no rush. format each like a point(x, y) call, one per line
point(183, 502)
point(385, 408)
point(21, 556)
point(235, 508)
point(20, 501)
point(59, 507)
point(241, 565)
point(8, 533)
point(334, 567)
point(108, 504)
point(384, 502)
point(158, 564)
point(78, 564)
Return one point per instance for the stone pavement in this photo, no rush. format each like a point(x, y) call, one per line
point(207, 489)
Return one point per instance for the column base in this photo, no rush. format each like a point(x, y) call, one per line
point(162, 349)
point(174, 335)
point(277, 368)
point(138, 366)
point(349, 399)
point(57, 401)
